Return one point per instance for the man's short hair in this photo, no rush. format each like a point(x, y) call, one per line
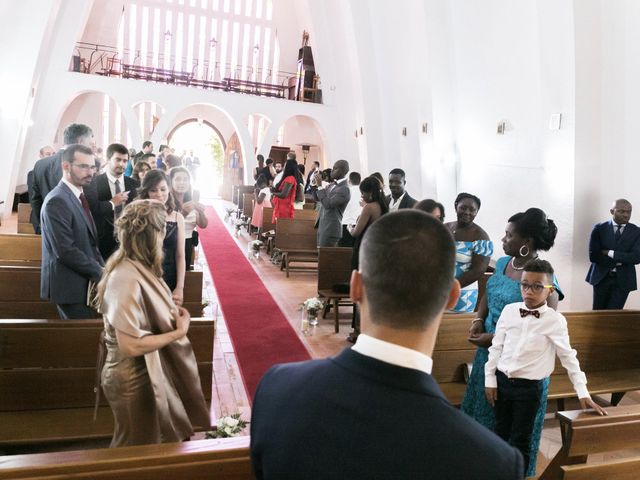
point(291, 156)
point(75, 132)
point(397, 171)
point(407, 262)
point(354, 178)
point(116, 148)
point(317, 163)
point(69, 153)
point(147, 156)
point(538, 265)
point(269, 161)
point(147, 143)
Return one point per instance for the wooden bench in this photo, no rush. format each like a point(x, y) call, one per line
point(216, 459)
point(334, 268)
point(297, 240)
point(247, 208)
point(606, 341)
point(586, 434)
point(20, 250)
point(24, 217)
point(47, 378)
point(20, 293)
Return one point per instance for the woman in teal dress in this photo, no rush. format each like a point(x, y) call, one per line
point(525, 235)
point(473, 250)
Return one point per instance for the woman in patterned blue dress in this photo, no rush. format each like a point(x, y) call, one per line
point(473, 250)
point(525, 235)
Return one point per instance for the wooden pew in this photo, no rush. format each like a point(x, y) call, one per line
point(264, 232)
point(217, 459)
point(20, 293)
point(305, 215)
point(47, 377)
point(334, 267)
point(607, 342)
point(20, 250)
point(297, 240)
point(24, 215)
point(247, 208)
point(586, 434)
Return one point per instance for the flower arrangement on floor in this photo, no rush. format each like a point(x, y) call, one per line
point(310, 308)
point(253, 248)
point(229, 426)
point(230, 211)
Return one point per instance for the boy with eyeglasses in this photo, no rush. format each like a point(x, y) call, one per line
point(528, 337)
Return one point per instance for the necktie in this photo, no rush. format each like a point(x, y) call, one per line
point(618, 233)
point(87, 212)
point(118, 209)
point(524, 313)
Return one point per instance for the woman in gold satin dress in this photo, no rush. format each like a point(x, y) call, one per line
point(150, 376)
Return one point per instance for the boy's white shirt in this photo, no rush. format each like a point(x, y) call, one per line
point(526, 347)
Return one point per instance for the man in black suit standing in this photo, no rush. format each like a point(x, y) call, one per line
point(108, 194)
point(310, 187)
point(47, 171)
point(333, 201)
point(399, 197)
point(614, 251)
point(70, 255)
point(374, 410)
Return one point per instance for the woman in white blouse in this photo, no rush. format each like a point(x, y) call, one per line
point(187, 202)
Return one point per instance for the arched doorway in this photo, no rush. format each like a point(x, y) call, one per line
point(201, 142)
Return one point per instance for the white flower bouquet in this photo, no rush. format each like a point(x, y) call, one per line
point(229, 426)
point(312, 305)
point(253, 248)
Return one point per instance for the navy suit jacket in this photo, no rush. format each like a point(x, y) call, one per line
point(99, 195)
point(70, 256)
point(352, 416)
point(47, 173)
point(626, 253)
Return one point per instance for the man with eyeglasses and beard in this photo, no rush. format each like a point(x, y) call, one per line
point(70, 255)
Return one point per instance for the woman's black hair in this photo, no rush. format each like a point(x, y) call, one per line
point(262, 180)
point(534, 224)
point(463, 196)
point(290, 170)
point(372, 185)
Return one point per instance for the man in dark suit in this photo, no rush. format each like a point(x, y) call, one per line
point(70, 255)
point(399, 197)
point(333, 201)
point(309, 186)
point(108, 194)
point(375, 411)
point(614, 251)
point(47, 171)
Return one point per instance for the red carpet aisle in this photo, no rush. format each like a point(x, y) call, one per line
point(260, 333)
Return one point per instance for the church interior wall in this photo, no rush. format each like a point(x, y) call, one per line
point(460, 67)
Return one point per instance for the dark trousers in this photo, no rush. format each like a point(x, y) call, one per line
point(347, 240)
point(608, 294)
point(516, 407)
point(188, 251)
point(76, 311)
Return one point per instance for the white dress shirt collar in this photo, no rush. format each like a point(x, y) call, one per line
point(542, 308)
point(75, 190)
point(392, 353)
point(113, 179)
point(395, 204)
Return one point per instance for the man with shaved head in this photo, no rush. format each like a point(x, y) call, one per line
point(614, 251)
point(333, 201)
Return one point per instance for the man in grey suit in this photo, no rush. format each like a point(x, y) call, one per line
point(47, 172)
point(70, 255)
point(333, 200)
